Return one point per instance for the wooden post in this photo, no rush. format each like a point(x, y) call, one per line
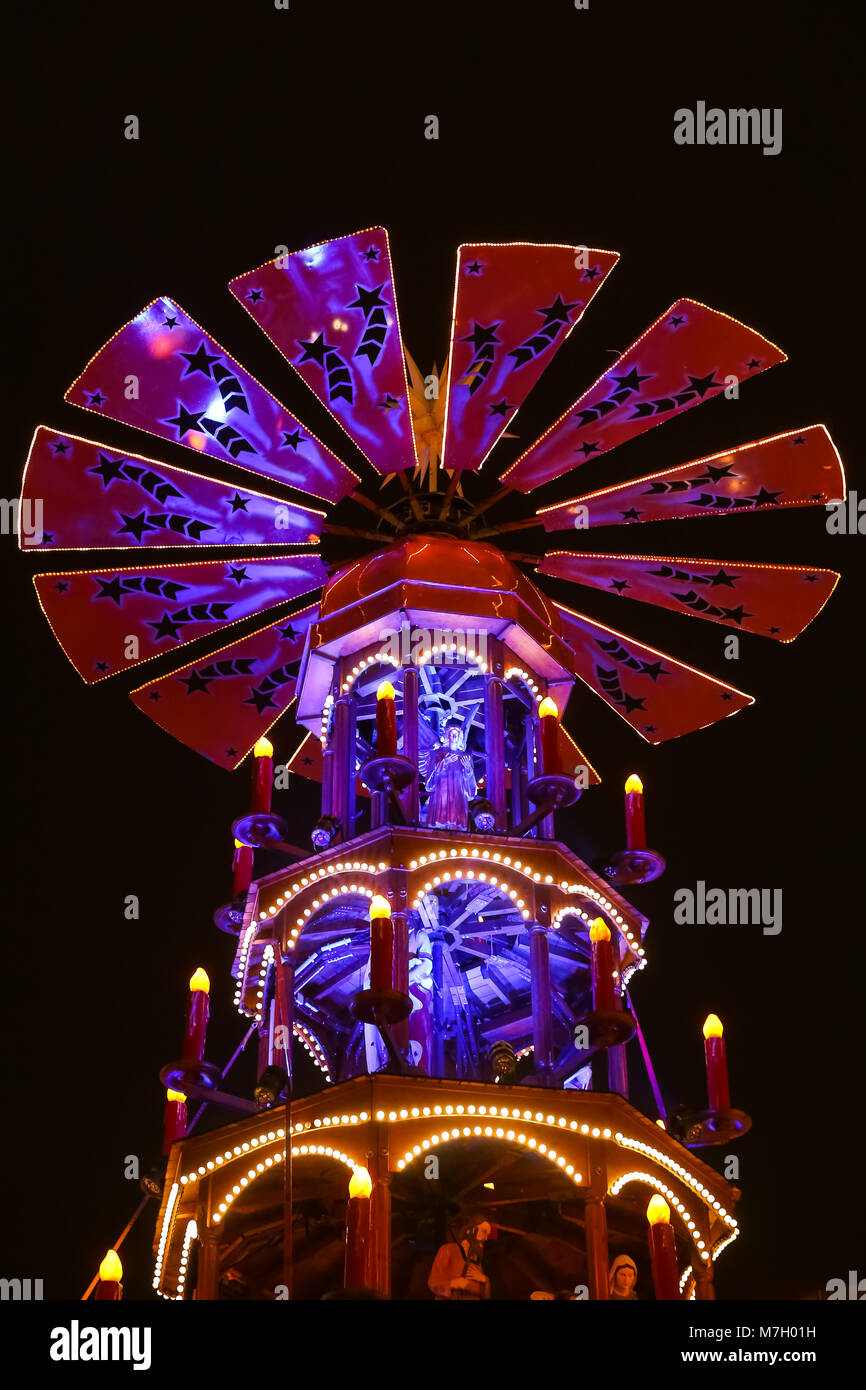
point(410, 738)
point(596, 1247)
point(339, 774)
point(380, 1215)
point(704, 1288)
point(494, 735)
point(437, 1065)
point(617, 1065)
point(542, 1022)
point(208, 1260)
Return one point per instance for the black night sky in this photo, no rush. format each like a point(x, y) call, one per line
point(261, 128)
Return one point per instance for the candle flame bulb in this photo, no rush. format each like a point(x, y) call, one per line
point(199, 981)
point(599, 931)
point(360, 1183)
point(111, 1270)
point(239, 844)
point(548, 707)
point(712, 1026)
point(175, 1095)
point(379, 907)
point(658, 1210)
point(263, 749)
point(385, 691)
point(633, 783)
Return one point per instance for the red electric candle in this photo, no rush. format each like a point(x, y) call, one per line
point(197, 1010)
point(173, 1119)
point(386, 721)
point(110, 1275)
point(549, 716)
point(635, 829)
point(381, 945)
point(663, 1250)
point(263, 776)
point(718, 1092)
point(242, 868)
point(601, 954)
point(357, 1230)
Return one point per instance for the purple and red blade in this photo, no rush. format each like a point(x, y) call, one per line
point(689, 355)
point(514, 306)
point(659, 697)
point(108, 621)
point(222, 704)
point(95, 498)
point(772, 600)
point(800, 468)
point(331, 310)
point(162, 373)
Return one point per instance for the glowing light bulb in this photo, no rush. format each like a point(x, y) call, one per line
point(599, 931)
point(175, 1095)
point(263, 749)
point(385, 691)
point(633, 783)
point(379, 907)
point(111, 1270)
point(658, 1210)
point(548, 706)
point(712, 1026)
point(200, 981)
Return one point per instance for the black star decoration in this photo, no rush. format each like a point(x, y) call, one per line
point(631, 515)
point(200, 360)
point(501, 408)
point(166, 627)
point(481, 336)
point(59, 446)
point(587, 448)
point(632, 380)
point(292, 439)
point(649, 728)
point(47, 537)
point(254, 296)
point(307, 762)
point(799, 440)
point(810, 578)
point(631, 703)
point(169, 322)
point(676, 320)
point(368, 299)
point(102, 665)
point(238, 575)
point(371, 253)
point(154, 695)
point(185, 420)
point(727, 695)
point(752, 363)
point(108, 469)
point(389, 403)
point(557, 312)
point(96, 398)
point(194, 682)
point(238, 503)
point(111, 588)
point(231, 752)
point(288, 634)
point(773, 629)
point(763, 498)
point(737, 615)
point(619, 585)
point(653, 669)
point(61, 587)
point(721, 577)
point(315, 349)
point(713, 474)
point(135, 525)
point(703, 384)
point(592, 273)
point(473, 268)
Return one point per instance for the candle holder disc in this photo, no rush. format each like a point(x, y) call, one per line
point(554, 787)
point(258, 829)
point(229, 918)
point(390, 773)
point(381, 1006)
point(634, 866)
point(185, 1073)
point(708, 1127)
point(607, 1027)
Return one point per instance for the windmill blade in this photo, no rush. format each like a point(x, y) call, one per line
point(331, 310)
point(659, 697)
point(94, 498)
point(108, 621)
point(219, 706)
point(772, 600)
point(515, 303)
point(688, 355)
point(800, 468)
point(162, 373)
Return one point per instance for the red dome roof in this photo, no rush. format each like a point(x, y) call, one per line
point(434, 559)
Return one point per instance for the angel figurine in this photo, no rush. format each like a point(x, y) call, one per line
point(450, 781)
